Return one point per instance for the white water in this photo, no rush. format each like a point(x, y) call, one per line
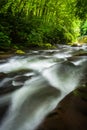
point(51, 80)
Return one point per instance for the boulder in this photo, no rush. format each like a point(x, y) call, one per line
point(70, 114)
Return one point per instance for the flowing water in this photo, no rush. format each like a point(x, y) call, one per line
point(32, 85)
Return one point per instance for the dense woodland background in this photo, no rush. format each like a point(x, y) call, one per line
point(41, 23)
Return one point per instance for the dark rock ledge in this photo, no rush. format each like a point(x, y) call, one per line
point(70, 114)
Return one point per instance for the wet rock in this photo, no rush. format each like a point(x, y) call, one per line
point(70, 114)
point(3, 110)
point(20, 80)
point(2, 76)
point(75, 58)
point(9, 89)
point(14, 80)
point(81, 92)
point(19, 72)
point(6, 55)
point(12, 84)
point(80, 53)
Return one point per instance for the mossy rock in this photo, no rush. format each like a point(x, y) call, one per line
point(81, 92)
point(19, 52)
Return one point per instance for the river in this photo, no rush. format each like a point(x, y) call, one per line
point(32, 85)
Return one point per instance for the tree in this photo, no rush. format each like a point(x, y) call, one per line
point(40, 21)
point(81, 9)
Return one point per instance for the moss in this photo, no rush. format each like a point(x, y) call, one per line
point(81, 92)
point(19, 52)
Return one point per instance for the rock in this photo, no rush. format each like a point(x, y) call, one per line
point(9, 89)
point(5, 55)
point(80, 53)
point(20, 52)
point(3, 110)
point(70, 114)
point(2, 76)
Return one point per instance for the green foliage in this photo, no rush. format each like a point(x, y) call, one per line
point(4, 40)
point(54, 36)
point(82, 39)
point(31, 23)
point(81, 12)
point(84, 28)
point(81, 9)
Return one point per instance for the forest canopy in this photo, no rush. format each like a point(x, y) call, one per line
point(33, 23)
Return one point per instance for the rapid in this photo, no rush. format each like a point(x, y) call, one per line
point(33, 84)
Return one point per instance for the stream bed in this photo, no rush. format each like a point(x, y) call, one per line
point(32, 85)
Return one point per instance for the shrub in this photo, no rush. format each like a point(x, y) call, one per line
point(4, 40)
